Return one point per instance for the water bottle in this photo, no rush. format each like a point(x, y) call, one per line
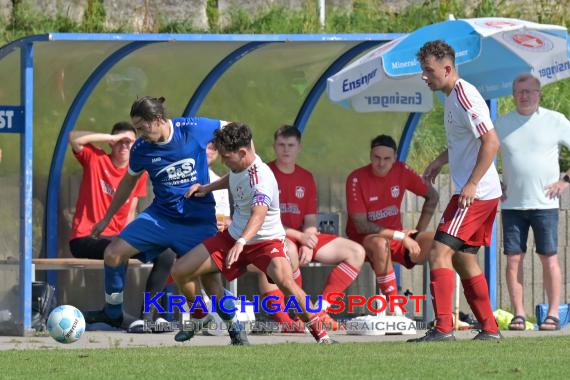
point(322, 227)
point(331, 228)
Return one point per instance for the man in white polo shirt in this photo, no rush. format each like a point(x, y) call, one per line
point(530, 139)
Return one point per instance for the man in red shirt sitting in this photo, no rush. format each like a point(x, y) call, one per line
point(374, 195)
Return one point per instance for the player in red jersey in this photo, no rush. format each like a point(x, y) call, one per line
point(374, 194)
point(467, 222)
point(298, 204)
point(102, 173)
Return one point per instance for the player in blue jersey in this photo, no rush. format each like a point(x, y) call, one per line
point(173, 152)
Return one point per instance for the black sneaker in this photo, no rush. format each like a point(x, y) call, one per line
point(184, 335)
point(99, 316)
point(433, 335)
point(485, 335)
point(239, 338)
point(187, 334)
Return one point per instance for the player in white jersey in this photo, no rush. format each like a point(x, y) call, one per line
point(468, 219)
point(255, 236)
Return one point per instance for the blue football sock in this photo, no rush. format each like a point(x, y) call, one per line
point(114, 283)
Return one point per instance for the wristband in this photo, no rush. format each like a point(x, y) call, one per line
point(241, 241)
point(398, 235)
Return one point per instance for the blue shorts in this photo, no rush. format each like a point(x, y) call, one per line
point(544, 225)
point(151, 234)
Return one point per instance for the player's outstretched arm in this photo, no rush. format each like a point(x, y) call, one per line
point(199, 190)
point(435, 166)
point(78, 139)
point(430, 203)
point(121, 195)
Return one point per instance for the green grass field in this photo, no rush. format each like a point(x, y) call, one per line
point(538, 358)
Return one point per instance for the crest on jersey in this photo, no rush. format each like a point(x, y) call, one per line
point(299, 191)
point(395, 191)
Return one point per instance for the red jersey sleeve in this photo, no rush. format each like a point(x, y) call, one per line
point(354, 199)
point(414, 182)
point(140, 187)
point(85, 155)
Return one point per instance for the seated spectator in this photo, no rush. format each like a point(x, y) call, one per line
point(374, 195)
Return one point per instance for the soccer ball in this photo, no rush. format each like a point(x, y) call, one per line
point(66, 324)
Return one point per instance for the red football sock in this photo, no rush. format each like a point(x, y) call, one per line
point(198, 313)
point(340, 278)
point(298, 278)
point(316, 328)
point(387, 283)
point(442, 287)
point(279, 316)
point(477, 294)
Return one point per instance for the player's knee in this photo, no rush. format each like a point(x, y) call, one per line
point(358, 253)
point(179, 275)
point(378, 250)
point(114, 254)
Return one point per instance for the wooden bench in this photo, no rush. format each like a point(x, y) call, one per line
point(61, 263)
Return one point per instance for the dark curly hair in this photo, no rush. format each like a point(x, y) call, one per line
point(439, 49)
point(149, 108)
point(232, 137)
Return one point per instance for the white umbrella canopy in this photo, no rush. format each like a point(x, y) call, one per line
point(490, 54)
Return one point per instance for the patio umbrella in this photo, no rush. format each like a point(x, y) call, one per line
point(489, 53)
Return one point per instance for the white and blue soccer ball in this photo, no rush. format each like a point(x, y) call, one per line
point(66, 324)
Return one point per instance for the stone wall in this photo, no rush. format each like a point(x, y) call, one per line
point(147, 15)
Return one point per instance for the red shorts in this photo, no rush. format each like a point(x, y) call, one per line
point(259, 254)
point(324, 239)
point(400, 254)
point(473, 224)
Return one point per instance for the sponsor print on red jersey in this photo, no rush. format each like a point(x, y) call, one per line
point(380, 197)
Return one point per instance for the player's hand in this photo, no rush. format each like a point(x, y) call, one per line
point(467, 195)
point(305, 255)
point(410, 232)
point(503, 191)
point(554, 190)
point(309, 240)
point(98, 228)
point(411, 246)
point(196, 190)
point(233, 254)
point(432, 171)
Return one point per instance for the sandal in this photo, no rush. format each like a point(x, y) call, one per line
point(550, 323)
point(518, 323)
